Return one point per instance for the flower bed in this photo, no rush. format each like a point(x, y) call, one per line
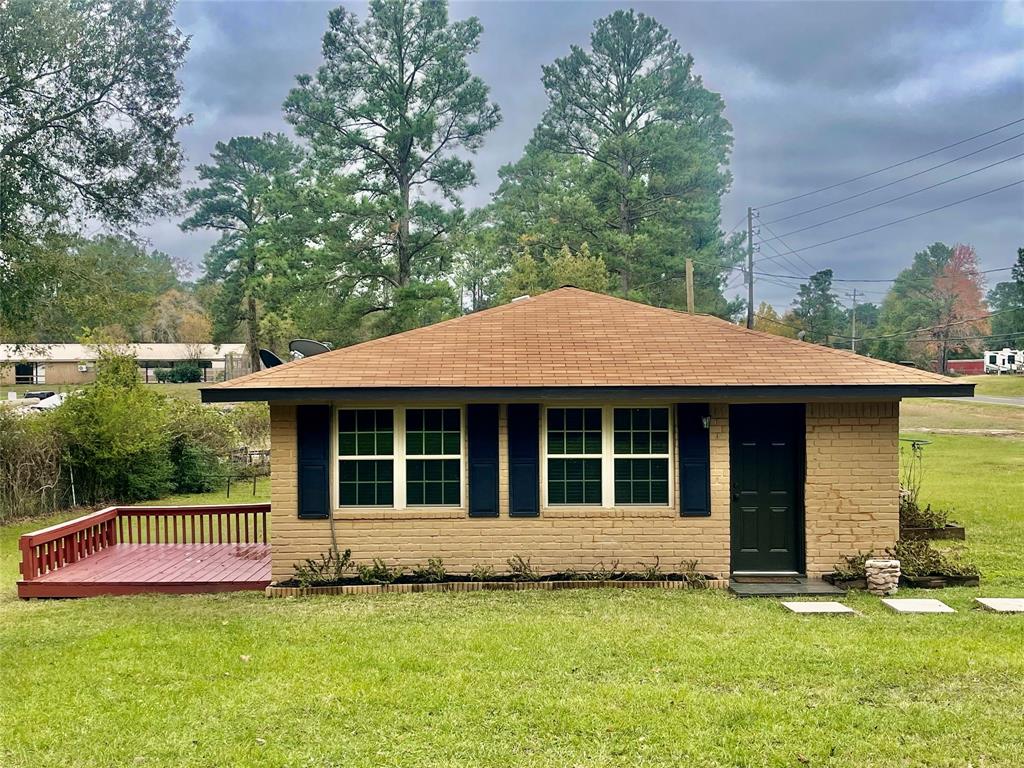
point(281, 590)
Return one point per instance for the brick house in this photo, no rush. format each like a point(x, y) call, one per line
point(578, 429)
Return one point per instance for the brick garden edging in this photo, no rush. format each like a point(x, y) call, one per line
point(479, 586)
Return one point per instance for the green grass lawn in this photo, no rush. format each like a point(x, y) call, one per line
point(931, 413)
point(575, 678)
point(997, 386)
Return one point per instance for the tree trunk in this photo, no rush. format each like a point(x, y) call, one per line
point(404, 258)
point(251, 318)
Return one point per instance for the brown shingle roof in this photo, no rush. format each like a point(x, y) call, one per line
point(574, 338)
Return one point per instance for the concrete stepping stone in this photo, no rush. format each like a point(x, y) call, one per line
point(1001, 604)
point(824, 606)
point(917, 605)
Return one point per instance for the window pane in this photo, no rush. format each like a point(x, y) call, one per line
point(365, 432)
point(641, 431)
point(433, 432)
point(365, 482)
point(574, 431)
point(574, 481)
point(641, 481)
point(433, 481)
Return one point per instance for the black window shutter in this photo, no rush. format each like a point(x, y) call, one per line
point(313, 438)
point(482, 426)
point(694, 460)
point(524, 460)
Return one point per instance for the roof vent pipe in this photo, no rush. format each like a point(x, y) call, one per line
point(520, 298)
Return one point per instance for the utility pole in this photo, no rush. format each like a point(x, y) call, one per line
point(689, 286)
point(853, 321)
point(750, 267)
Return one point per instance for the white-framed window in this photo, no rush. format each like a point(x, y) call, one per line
point(575, 446)
point(608, 456)
point(366, 457)
point(433, 449)
point(399, 457)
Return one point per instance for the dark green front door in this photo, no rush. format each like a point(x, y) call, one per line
point(766, 468)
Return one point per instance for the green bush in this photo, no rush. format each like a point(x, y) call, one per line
point(252, 421)
point(30, 464)
point(200, 438)
point(126, 442)
point(116, 442)
point(187, 373)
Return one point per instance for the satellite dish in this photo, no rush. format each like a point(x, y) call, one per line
point(269, 359)
point(307, 347)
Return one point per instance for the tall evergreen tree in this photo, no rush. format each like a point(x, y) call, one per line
point(241, 197)
point(395, 107)
point(817, 308)
point(1006, 299)
point(630, 156)
point(88, 123)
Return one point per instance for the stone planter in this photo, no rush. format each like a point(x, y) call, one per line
point(950, 532)
point(480, 586)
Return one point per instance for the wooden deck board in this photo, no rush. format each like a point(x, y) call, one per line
point(136, 568)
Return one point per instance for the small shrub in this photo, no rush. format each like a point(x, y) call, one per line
point(853, 566)
point(432, 573)
point(162, 375)
point(913, 516)
point(521, 570)
point(651, 572)
point(482, 573)
point(920, 558)
point(688, 570)
point(330, 567)
point(378, 572)
point(600, 573)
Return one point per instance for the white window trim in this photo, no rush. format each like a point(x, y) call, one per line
point(398, 457)
point(607, 456)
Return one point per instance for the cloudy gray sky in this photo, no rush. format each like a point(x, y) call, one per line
point(816, 92)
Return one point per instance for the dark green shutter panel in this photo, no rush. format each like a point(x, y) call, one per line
point(524, 460)
point(694, 460)
point(482, 426)
point(313, 439)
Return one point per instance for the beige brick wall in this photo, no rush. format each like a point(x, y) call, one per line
point(851, 498)
point(852, 487)
point(561, 538)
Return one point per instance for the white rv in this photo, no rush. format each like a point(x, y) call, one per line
point(1004, 361)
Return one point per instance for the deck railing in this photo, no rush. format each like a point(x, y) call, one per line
point(59, 545)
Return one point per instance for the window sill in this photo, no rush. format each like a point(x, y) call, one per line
point(609, 512)
point(410, 513)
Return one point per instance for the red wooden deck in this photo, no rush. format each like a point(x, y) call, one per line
point(131, 550)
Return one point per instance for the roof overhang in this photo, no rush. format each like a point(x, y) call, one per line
point(724, 393)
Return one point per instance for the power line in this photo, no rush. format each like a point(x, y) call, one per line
point(894, 165)
point(891, 183)
point(905, 218)
point(900, 197)
point(785, 244)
